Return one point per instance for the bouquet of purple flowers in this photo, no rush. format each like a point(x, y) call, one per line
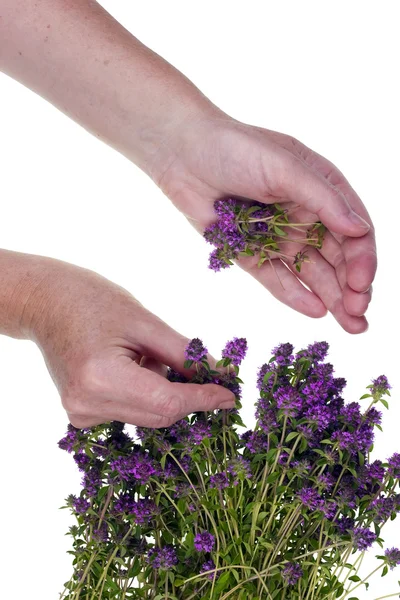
point(284, 511)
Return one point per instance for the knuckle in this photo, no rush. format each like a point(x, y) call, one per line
point(157, 421)
point(78, 421)
point(75, 403)
point(170, 406)
point(91, 378)
point(208, 399)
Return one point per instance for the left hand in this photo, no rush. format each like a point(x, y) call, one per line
point(218, 157)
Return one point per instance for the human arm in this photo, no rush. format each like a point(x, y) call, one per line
point(89, 66)
point(93, 335)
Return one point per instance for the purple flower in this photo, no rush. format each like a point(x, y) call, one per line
point(101, 533)
point(198, 431)
point(92, 479)
point(225, 208)
point(143, 509)
point(204, 542)
point(346, 440)
point(365, 437)
point(392, 556)
point(373, 416)
point(326, 481)
point(283, 354)
point(82, 460)
point(351, 414)
point(195, 350)
point(291, 573)
point(134, 466)
point(216, 262)
point(318, 351)
point(376, 470)
point(235, 350)
point(345, 525)
point(310, 498)
point(288, 400)
point(266, 416)
point(207, 566)
point(319, 415)
point(239, 468)
point(394, 465)
point(383, 508)
point(219, 481)
point(363, 538)
point(162, 558)
point(81, 505)
point(70, 439)
point(380, 386)
point(255, 441)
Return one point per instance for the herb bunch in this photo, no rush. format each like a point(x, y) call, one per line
point(283, 511)
point(249, 229)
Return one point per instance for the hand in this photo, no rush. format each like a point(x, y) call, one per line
point(216, 157)
point(93, 335)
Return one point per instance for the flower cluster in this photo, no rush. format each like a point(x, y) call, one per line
point(199, 510)
point(249, 229)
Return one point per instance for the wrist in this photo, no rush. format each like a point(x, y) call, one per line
point(22, 292)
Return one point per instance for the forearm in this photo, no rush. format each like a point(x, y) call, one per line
point(74, 54)
point(22, 279)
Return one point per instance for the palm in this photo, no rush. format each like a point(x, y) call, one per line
point(238, 160)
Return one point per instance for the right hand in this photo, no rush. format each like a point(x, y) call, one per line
point(93, 334)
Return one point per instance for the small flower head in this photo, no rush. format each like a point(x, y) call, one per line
point(392, 556)
point(207, 566)
point(196, 350)
point(394, 465)
point(235, 350)
point(204, 542)
point(80, 505)
point(162, 558)
point(291, 573)
point(318, 351)
point(363, 538)
point(380, 386)
point(219, 481)
point(283, 354)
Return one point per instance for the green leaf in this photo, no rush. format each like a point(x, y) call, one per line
point(385, 403)
point(222, 583)
point(365, 396)
point(279, 231)
point(291, 436)
point(267, 376)
point(187, 364)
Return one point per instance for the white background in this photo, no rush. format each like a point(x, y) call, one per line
point(325, 72)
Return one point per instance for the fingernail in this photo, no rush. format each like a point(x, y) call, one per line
point(359, 221)
point(226, 405)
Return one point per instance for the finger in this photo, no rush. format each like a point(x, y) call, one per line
point(332, 252)
point(360, 255)
point(355, 303)
point(321, 278)
point(361, 262)
point(285, 286)
point(292, 178)
point(154, 365)
point(162, 343)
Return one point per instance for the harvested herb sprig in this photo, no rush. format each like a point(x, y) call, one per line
point(256, 229)
point(284, 511)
